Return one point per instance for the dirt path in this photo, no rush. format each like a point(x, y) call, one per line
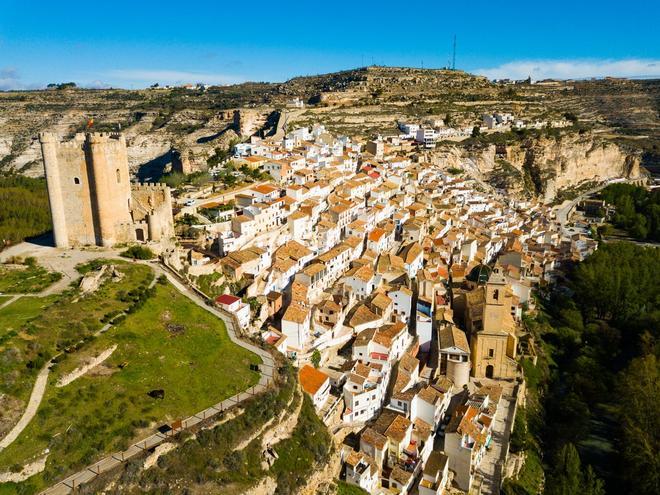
point(78, 372)
point(31, 409)
point(27, 471)
point(9, 301)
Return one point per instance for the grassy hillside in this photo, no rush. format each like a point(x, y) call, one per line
point(168, 343)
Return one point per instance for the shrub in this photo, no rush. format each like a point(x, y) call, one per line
point(138, 253)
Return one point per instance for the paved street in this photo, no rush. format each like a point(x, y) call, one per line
point(492, 463)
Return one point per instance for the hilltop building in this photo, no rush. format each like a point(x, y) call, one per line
point(92, 200)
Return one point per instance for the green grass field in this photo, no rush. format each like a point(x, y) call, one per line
point(15, 315)
point(169, 343)
point(39, 328)
point(14, 280)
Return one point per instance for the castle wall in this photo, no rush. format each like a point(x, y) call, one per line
point(111, 189)
point(91, 198)
point(153, 203)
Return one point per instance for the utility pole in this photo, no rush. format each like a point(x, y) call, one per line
point(453, 64)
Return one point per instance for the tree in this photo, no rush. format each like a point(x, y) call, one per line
point(316, 358)
point(567, 477)
point(476, 131)
point(639, 389)
point(174, 179)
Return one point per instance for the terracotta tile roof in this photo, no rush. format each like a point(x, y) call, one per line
point(430, 395)
point(381, 301)
point(411, 252)
point(264, 188)
point(311, 379)
point(329, 305)
point(452, 336)
point(422, 429)
point(372, 437)
point(408, 363)
point(362, 315)
point(352, 241)
point(364, 273)
point(296, 313)
point(436, 463)
point(376, 234)
point(392, 330)
point(398, 428)
point(400, 476)
point(292, 249)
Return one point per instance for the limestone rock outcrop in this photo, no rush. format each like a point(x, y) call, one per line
point(544, 166)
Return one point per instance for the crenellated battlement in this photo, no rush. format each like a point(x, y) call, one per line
point(104, 137)
point(82, 138)
point(50, 138)
point(150, 186)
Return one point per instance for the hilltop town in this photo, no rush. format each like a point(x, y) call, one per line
point(306, 309)
point(397, 287)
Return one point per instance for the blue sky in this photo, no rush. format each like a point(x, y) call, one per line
point(135, 43)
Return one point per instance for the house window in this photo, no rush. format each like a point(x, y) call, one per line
point(491, 352)
point(496, 294)
point(118, 176)
point(76, 180)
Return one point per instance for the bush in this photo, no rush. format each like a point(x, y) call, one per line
point(138, 253)
point(520, 437)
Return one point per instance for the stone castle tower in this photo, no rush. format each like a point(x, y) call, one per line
point(92, 200)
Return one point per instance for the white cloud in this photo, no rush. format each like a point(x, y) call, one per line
point(97, 84)
point(172, 76)
point(573, 69)
point(9, 79)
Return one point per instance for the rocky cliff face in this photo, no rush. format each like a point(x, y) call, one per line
point(151, 140)
point(544, 166)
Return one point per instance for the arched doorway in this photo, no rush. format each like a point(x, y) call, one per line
point(490, 371)
point(139, 235)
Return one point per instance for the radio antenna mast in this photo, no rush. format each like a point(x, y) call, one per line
point(453, 64)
